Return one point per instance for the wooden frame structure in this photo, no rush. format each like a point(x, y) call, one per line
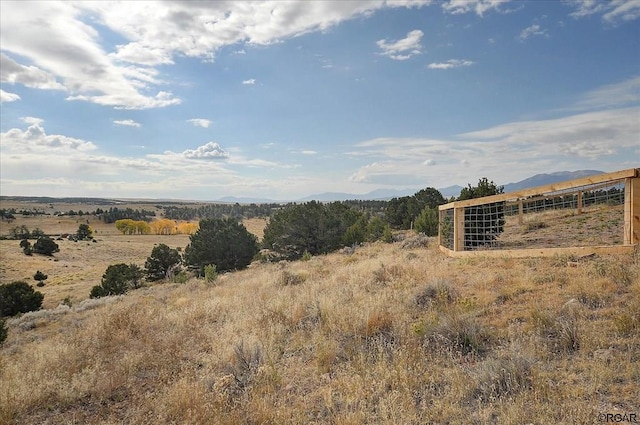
point(453, 229)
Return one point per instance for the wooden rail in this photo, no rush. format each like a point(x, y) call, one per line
point(631, 228)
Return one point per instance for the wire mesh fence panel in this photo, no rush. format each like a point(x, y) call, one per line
point(446, 228)
point(576, 216)
point(587, 216)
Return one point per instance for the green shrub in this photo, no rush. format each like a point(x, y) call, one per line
point(84, 232)
point(3, 331)
point(45, 246)
point(97, 292)
point(40, 277)
point(26, 247)
point(19, 297)
point(387, 235)
point(210, 273)
point(117, 280)
point(427, 222)
point(181, 277)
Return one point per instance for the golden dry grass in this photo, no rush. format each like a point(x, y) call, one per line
point(386, 335)
point(80, 265)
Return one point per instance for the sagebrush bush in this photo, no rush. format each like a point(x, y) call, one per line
point(460, 334)
point(288, 278)
point(498, 378)
point(560, 333)
point(439, 293)
point(245, 363)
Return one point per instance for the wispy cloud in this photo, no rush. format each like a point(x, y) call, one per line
point(532, 31)
point(32, 120)
point(127, 123)
point(200, 122)
point(402, 49)
point(8, 97)
point(249, 82)
point(567, 142)
point(480, 7)
point(613, 11)
point(451, 63)
point(613, 95)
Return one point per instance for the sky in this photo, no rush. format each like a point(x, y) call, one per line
point(285, 99)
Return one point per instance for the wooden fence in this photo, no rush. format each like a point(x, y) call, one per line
point(596, 214)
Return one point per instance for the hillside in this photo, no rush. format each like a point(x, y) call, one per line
point(384, 335)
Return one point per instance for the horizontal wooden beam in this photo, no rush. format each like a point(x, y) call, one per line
point(541, 190)
point(579, 251)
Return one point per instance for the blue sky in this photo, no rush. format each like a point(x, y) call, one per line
point(281, 100)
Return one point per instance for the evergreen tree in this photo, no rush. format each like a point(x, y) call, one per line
point(40, 277)
point(162, 260)
point(223, 242)
point(19, 297)
point(45, 246)
point(482, 223)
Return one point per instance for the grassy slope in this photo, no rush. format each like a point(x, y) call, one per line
point(385, 335)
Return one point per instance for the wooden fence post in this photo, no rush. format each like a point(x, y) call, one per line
point(632, 211)
point(458, 229)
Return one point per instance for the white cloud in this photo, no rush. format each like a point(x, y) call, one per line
point(131, 101)
point(34, 139)
point(65, 54)
point(249, 82)
point(211, 150)
point(308, 152)
point(589, 135)
point(29, 76)
point(457, 7)
point(404, 48)
point(127, 123)
point(200, 122)
point(8, 97)
point(451, 63)
point(509, 152)
point(32, 120)
point(533, 30)
point(612, 95)
point(613, 11)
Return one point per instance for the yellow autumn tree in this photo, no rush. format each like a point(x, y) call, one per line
point(163, 226)
point(133, 227)
point(187, 228)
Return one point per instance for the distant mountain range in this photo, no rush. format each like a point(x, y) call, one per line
point(447, 192)
point(544, 179)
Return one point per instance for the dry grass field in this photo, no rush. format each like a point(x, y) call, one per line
point(385, 335)
point(80, 265)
